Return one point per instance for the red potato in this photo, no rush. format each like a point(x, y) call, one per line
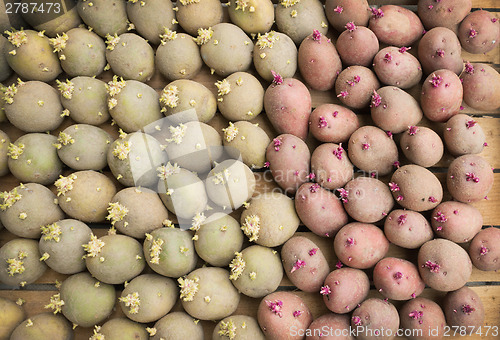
point(484, 250)
point(440, 49)
point(344, 289)
point(355, 85)
point(469, 178)
point(340, 12)
point(331, 167)
point(463, 307)
point(330, 326)
point(288, 158)
point(407, 229)
point(394, 66)
point(481, 84)
point(320, 210)
point(395, 25)
point(283, 315)
point(457, 222)
point(443, 14)
point(332, 123)
point(304, 263)
point(422, 146)
point(441, 96)
point(422, 319)
point(288, 105)
point(374, 315)
point(463, 135)
point(479, 32)
point(318, 60)
point(357, 45)
point(360, 245)
point(397, 279)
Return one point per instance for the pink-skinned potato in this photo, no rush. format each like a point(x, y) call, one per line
point(333, 123)
point(441, 96)
point(469, 178)
point(447, 14)
point(484, 250)
point(357, 45)
point(304, 264)
point(397, 279)
point(481, 84)
point(395, 25)
point(338, 323)
point(288, 158)
point(287, 103)
point(479, 32)
point(463, 135)
point(422, 316)
point(456, 221)
point(344, 289)
point(395, 66)
point(354, 86)
point(463, 307)
point(340, 12)
point(319, 62)
point(407, 229)
point(360, 245)
point(422, 146)
point(331, 167)
point(440, 48)
point(283, 315)
point(375, 314)
point(320, 210)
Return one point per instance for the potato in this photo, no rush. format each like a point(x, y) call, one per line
point(457, 222)
point(248, 141)
point(288, 158)
point(120, 328)
point(397, 279)
point(416, 188)
point(257, 18)
point(287, 103)
point(479, 32)
point(367, 199)
point(218, 238)
point(11, 316)
point(448, 14)
point(373, 315)
point(337, 326)
point(422, 146)
point(344, 289)
point(194, 15)
point(230, 184)
point(298, 19)
point(440, 49)
point(231, 53)
point(481, 82)
point(178, 56)
point(20, 262)
point(360, 245)
point(304, 264)
point(331, 167)
point(444, 265)
point(320, 210)
point(270, 220)
point(177, 325)
point(484, 250)
point(104, 17)
point(357, 45)
point(407, 229)
point(207, 294)
point(332, 123)
point(395, 25)
point(469, 178)
point(354, 86)
point(372, 150)
point(256, 271)
point(394, 66)
point(238, 327)
point(393, 109)
point(242, 96)
point(4, 150)
point(282, 313)
point(319, 62)
point(43, 325)
point(441, 96)
point(463, 135)
point(463, 307)
point(275, 52)
point(422, 318)
point(150, 19)
point(340, 12)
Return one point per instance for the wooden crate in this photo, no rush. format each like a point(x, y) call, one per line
point(486, 284)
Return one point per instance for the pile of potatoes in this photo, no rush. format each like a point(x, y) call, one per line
point(189, 225)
